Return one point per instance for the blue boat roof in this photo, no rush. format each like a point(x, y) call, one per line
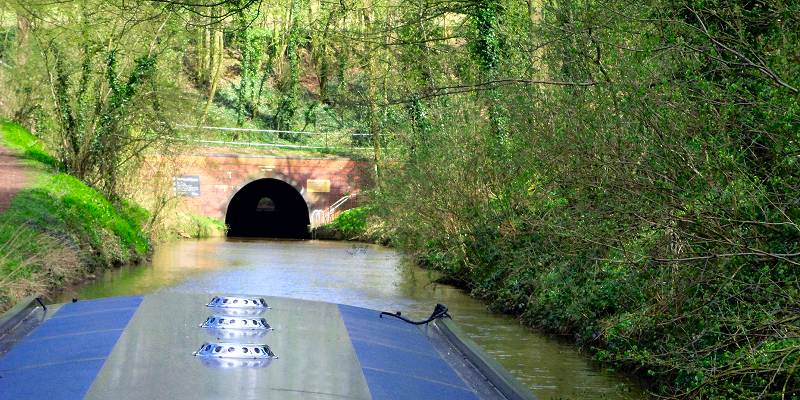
point(146, 348)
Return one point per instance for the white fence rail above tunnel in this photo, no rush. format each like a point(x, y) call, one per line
point(345, 140)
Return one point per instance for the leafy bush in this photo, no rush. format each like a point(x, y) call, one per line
point(351, 223)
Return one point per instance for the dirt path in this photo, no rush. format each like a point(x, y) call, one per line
point(13, 176)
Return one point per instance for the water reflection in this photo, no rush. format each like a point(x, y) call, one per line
point(231, 363)
point(365, 276)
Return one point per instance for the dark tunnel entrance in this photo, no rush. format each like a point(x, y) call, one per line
point(268, 208)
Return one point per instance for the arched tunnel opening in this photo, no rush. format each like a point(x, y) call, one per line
point(268, 208)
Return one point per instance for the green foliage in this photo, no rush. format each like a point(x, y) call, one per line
point(87, 87)
point(487, 43)
point(7, 38)
point(94, 155)
point(647, 205)
point(205, 227)
point(290, 87)
point(18, 138)
point(351, 223)
point(250, 42)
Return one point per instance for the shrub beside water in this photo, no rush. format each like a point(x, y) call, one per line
point(351, 223)
point(354, 224)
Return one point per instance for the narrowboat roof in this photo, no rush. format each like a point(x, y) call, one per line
point(154, 347)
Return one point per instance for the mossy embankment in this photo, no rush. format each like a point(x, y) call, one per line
point(59, 230)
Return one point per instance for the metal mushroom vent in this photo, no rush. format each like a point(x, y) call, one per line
point(233, 322)
point(232, 363)
point(235, 351)
point(238, 302)
point(236, 334)
point(240, 312)
point(241, 320)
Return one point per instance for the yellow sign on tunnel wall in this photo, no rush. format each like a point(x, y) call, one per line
point(318, 185)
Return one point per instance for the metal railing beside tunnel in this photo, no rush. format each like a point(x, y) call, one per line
point(327, 215)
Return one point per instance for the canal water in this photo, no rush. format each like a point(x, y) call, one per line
point(366, 276)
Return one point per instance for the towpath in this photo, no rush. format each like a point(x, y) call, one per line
point(13, 176)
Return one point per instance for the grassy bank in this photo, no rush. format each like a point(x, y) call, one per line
point(182, 225)
point(59, 230)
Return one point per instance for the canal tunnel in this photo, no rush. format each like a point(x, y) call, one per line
point(268, 208)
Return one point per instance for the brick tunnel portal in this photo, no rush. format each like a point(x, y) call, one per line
point(268, 208)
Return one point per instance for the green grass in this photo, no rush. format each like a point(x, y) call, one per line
point(58, 215)
point(197, 227)
point(207, 227)
point(19, 139)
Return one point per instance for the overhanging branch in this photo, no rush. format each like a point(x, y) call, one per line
point(483, 86)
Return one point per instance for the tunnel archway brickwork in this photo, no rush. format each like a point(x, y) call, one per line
point(219, 176)
point(268, 208)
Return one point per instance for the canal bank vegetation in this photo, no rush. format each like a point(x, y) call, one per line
point(625, 173)
point(173, 223)
point(193, 226)
point(59, 230)
point(353, 224)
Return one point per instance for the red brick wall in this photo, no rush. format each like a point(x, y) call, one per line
point(221, 176)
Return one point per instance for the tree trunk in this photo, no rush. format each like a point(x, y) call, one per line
point(374, 126)
point(536, 68)
point(218, 57)
point(23, 33)
point(204, 66)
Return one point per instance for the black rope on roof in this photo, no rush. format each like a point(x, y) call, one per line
point(440, 311)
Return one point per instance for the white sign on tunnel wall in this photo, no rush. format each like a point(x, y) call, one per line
point(187, 185)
